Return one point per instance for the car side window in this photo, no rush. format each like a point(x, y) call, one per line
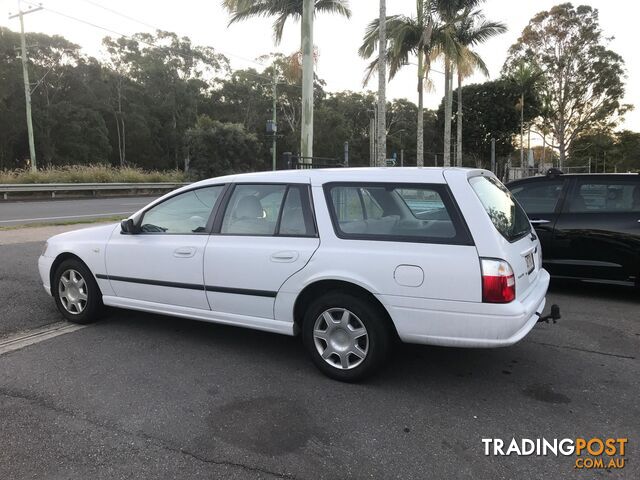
point(392, 212)
point(538, 197)
point(597, 196)
point(297, 216)
point(185, 213)
point(253, 210)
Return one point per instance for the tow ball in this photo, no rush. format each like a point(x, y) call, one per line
point(554, 316)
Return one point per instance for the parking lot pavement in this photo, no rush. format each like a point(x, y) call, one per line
point(147, 396)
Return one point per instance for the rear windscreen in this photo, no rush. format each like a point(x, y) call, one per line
point(506, 214)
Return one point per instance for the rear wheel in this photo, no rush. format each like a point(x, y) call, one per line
point(76, 292)
point(347, 337)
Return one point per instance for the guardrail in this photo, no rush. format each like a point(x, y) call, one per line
point(8, 188)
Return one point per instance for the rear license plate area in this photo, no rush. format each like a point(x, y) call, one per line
point(530, 262)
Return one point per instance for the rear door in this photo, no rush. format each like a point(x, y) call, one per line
point(542, 200)
point(597, 234)
point(266, 233)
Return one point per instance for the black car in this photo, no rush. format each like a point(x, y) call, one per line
point(589, 224)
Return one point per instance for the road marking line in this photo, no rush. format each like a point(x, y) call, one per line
point(24, 339)
point(66, 216)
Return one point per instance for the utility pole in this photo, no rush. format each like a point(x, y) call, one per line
point(274, 118)
point(382, 87)
point(306, 130)
point(27, 85)
point(493, 155)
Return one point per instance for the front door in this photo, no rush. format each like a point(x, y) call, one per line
point(266, 234)
point(163, 262)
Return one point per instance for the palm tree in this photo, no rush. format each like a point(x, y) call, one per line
point(283, 10)
point(421, 36)
point(451, 11)
point(526, 76)
point(472, 30)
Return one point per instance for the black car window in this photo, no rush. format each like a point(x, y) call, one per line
point(538, 197)
point(601, 196)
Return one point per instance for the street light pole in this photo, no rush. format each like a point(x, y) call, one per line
point(27, 85)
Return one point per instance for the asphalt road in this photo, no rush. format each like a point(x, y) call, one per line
point(147, 396)
point(29, 212)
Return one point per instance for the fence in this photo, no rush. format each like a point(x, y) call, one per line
point(297, 162)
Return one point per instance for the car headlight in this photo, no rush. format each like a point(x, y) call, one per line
point(44, 249)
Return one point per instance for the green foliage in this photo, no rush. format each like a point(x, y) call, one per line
point(490, 111)
point(583, 79)
point(606, 151)
point(282, 10)
point(90, 174)
point(217, 148)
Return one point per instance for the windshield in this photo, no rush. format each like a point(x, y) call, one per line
point(506, 214)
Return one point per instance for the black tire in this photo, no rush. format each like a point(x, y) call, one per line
point(378, 336)
point(91, 307)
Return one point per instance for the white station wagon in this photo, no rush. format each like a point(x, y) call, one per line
point(352, 259)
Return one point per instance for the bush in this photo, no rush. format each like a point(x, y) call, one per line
point(90, 174)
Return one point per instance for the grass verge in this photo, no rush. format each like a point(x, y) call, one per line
point(90, 174)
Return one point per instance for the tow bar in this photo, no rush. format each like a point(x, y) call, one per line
point(553, 316)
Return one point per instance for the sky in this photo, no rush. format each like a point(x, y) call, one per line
point(336, 39)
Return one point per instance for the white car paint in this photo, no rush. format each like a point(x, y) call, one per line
point(432, 292)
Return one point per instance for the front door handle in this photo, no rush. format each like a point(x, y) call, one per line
point(539, 221)
point(285, 256)
point(184, 252)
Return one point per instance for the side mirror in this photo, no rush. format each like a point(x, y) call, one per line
point(128, 226)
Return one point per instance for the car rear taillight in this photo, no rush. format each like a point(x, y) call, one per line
point(498, 281)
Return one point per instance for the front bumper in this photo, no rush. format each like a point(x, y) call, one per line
point(467, 324)
point(44, 267)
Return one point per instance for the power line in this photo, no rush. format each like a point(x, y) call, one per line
point(154, 27)
point(123, 35)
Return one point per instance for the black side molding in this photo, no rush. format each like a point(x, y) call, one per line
point(190, 286)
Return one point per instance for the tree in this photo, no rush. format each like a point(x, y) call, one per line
point(298, 10)
point(526, 76)
point(422, 36)
point(217, 148)
point(583, 79)
point(172, 73)
point(490, 111)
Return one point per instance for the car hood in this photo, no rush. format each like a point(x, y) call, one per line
point(98, 233)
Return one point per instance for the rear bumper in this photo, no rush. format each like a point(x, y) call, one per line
point(467, 324)
point(44, 267)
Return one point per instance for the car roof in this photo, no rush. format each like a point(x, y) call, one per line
point(327, 175)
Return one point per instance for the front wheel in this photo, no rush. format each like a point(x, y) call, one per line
point(76, 292)
point(346, 336)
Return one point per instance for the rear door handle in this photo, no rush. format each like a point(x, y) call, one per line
point(539, 221)
point(184, 252)
point(285, 256)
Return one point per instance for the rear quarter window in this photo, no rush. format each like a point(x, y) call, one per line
point(505, 213)
point(395, 212)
